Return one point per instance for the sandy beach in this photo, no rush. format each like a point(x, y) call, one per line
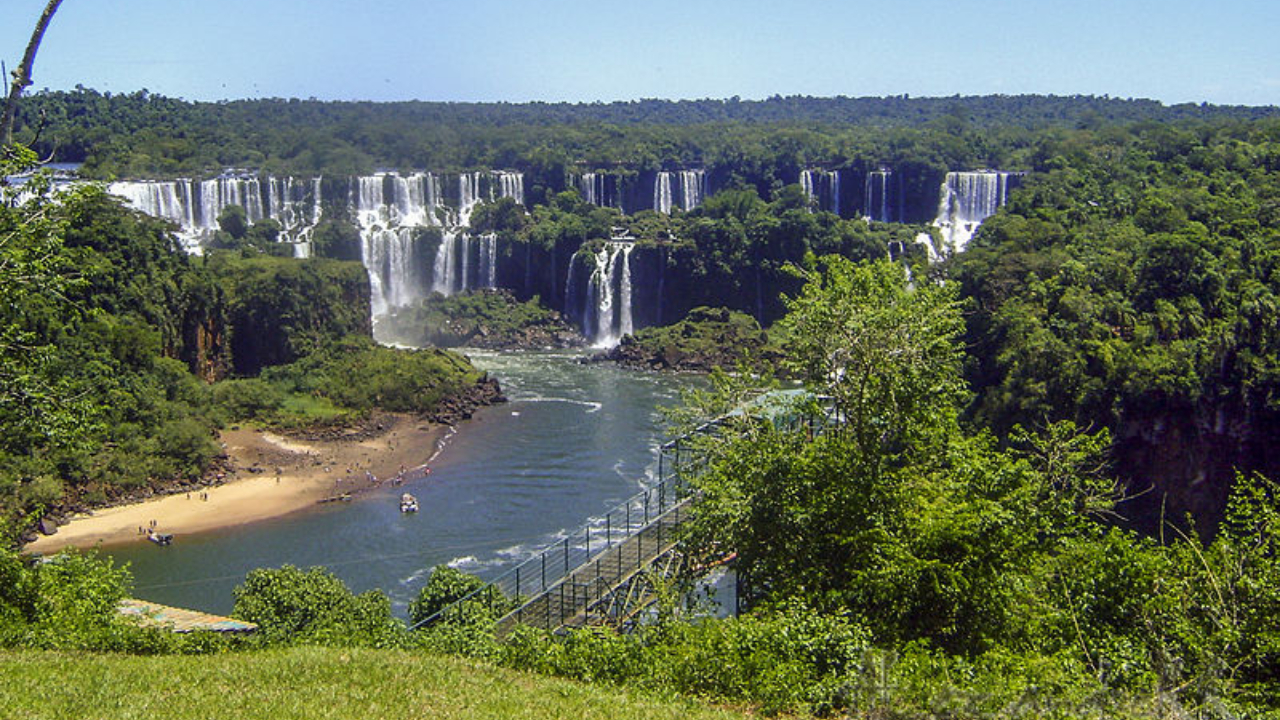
point(271, 476)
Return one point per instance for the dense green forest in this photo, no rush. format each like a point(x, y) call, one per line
point(144, 135)
point(1048, 495)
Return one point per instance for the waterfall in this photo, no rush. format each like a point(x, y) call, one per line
point(662, 192)
point(606, 311)
point(468, 196)
point(823, 188)
point(454, 270)
point(625, 324)
point(571, 311)
point(489, 259)
point(965, 200)
point(443, 270)
point(511, 185)
point(835, 192)
point(688, 193)
point(464, 254)
point(877, 197)
point(591, 187)
point(194, 206)
point(389, 255)
point(601, 189)
point(389, 209)
point(462, 262)
point(693, 185)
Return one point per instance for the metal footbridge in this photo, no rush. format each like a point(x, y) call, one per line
point(613, 568)
point(605, 572)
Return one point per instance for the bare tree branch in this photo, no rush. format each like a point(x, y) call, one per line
point(22, 75)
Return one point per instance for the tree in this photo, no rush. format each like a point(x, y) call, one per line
point(35, 278)
point(293, 605)
point(22, 75)
point(445, 586)
point(884, 348)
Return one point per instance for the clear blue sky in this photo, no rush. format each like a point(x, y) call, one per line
point(1219, 51)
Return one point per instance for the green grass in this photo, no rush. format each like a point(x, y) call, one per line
point(304, 409)
point(305, 683)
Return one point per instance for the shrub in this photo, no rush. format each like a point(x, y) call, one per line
point(291, 605)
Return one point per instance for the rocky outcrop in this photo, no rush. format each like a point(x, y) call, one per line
point(708, 338)
point(487, 318)
point(462, 406)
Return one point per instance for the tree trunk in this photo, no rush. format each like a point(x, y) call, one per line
point(22, 75)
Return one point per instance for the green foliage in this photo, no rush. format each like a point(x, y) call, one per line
point(706, 338)
point(355, 374)
point(1130, 283)
point(103, 321)
point(142, 134)
point(68, 602)
point(885, 350)
point(445, 586)
point(314, 607)
point(336, 239)
point(35, 279)
point(778, 661)
point(281, 309)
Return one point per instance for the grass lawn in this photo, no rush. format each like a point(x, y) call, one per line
point(305, 683)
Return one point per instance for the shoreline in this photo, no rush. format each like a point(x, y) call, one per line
point(271, 476)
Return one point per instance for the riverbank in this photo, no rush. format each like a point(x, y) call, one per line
point(268, 476)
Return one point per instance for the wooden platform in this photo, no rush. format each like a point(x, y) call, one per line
point(151, 614)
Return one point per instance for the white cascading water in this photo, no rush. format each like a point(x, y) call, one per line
point(822, 187)
point(468, 196)
point(662, 193)
point(692, 189)
point(591, 186)
point(510, 185)
point(194, 206)
point(877, 198)
point(607, 313)
point(806, 185)
point(444, 271)
point(964, 201)
point(489, 260)
point(388, 208)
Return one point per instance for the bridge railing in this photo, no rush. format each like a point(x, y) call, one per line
point(570, 600)
point(559, 559)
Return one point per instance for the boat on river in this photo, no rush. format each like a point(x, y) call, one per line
point(160, 538)
point(408, 503)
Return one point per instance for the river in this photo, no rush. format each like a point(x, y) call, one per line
point(573, 441)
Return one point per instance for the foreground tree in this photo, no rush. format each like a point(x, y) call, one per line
point(22, 75)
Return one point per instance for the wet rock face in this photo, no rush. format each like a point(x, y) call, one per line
point(1183, 463)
